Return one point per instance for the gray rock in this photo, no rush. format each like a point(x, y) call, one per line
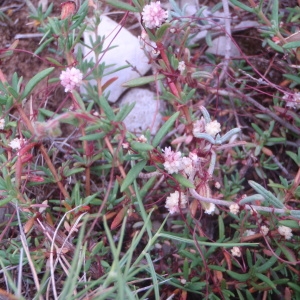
point(146, 112)
point(127, 51)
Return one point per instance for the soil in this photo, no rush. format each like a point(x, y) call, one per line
point(16, 21)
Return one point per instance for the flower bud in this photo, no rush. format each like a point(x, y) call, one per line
point(68, 9)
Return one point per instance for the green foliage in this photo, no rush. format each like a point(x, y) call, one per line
point(84, 210)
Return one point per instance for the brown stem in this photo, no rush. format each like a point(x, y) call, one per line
point(2, 77)
point(44, 153)
point(18, 171)
point(293, 188)
point(164, 56)
point(108, 144)
point(175, 88)
point(117, 163)
point(87, 167)
point(98, 215)
point(252, 3)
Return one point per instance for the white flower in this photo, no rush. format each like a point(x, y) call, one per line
point(172, 202)
point(154, 15)
point(187, 165)
point(16, 143)
point(211, 209)
point(235, 251)
point(249, 232)
point(264, 230)
point(285, 231)
point(199, 126)
point(292, 101)
point(234, 208)
point(181, 66)
point(217, 185)
point(212, 128)
point(70, 79)
point(173, 161)
point(125, 145)
point(142, 139)
point(2, 124)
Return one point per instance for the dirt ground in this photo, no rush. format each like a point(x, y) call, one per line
point(14, 20)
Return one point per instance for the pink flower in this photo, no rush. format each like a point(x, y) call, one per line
point(70, 79)
point(154, 15)
point(173, 161)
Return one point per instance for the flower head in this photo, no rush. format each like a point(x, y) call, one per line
point(70, 79)
point(172, 202)
point(285, 231)
point(264, 230)
point(217, 185)
point(187, 165)
point(181, 66)
point(2, 124)
point(211, 209)
point(173, 161)
point(68, 9)
point(212, 128)
point(125, 145)
point(16, 143)
point(292, 101)
point(199, 126)
point(235, 251)
point(142, 139)
point(234, 208)
point(154, 15)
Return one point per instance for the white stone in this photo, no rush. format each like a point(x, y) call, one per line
point(218, 47)
point(190, 7)
point(145, 114)
point(127, 50)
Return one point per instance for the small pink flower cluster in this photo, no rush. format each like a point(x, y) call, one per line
point(173, 159)
point(175, 163)
point(70, 79)
point(154, 15)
